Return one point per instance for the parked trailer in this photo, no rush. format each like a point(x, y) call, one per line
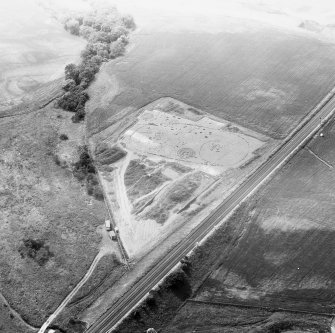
point(112, 235)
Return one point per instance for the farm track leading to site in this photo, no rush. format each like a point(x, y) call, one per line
point(132, 297)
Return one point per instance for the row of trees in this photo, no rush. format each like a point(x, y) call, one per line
point(107, 34)
point(84, 170)
point(106, 20)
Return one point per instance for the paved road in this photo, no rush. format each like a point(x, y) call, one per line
point(124, 305)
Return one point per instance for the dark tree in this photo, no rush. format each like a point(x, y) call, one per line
point(85, 163)
point(73, 100)
point(36, 250)
point(69, 85)
point(72, 73)
point(79, 115)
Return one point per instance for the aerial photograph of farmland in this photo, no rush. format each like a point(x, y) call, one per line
point(167, 166)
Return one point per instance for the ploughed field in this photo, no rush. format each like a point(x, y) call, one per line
point(33, 52)
point(200, 317)
point(264, 79)
point(285, 255)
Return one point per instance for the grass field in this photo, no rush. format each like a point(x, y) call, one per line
point(47, 221)
point(10, 323)
point(265, 79)
point(285, 257)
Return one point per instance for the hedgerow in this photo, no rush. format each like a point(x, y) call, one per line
point(107, 34)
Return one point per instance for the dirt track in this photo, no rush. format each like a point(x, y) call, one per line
point(104, 250)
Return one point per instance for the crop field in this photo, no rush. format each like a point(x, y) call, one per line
point(285, 257)
point(200, 317)
point(265, 79)
point(173, 153)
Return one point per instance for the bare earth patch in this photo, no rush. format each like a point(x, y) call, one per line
point(178, 162)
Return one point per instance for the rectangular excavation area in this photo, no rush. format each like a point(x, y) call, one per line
point(205, 144)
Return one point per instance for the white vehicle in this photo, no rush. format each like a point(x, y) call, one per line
point(322, 135)
point(108, 225)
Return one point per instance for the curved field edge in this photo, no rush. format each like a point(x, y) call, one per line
point(249, 81)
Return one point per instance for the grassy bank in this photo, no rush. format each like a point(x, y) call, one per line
point(107, 272)
point(48, 227)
